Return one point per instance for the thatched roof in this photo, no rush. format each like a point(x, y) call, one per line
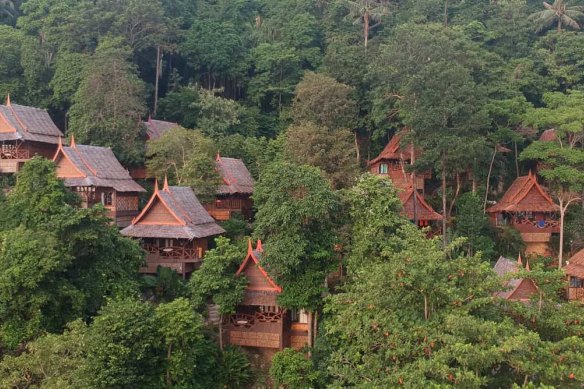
point(27, 123)
point(174, 212)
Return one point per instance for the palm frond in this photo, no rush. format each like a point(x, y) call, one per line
point(568, 21)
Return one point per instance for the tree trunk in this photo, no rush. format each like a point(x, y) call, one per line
point(560, 24)
point(446, 13)
point(426, 313)
point(366, 28)
point(310, 329)
point(221, 332)
point(444, 237)
point(456, 193)
point(561, 249)
point(168, 376)
point(158, 60)
point(357, 147)
point(489, 179)
point(516, 161)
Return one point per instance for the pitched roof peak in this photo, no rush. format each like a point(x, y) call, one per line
point(72, 142)
point(519, 261)
point(165, 187)
point(259, 246)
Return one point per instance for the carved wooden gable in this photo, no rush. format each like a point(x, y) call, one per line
point(66, 168)
point(158, 213)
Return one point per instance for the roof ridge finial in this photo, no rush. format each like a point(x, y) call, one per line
point(527, 265)
point(259, 246)
point(155, 185)
point(8, 100)
point(165, 187)
point(218, 157)
point(249, 246)
point(60, 141)
point(72, 142)
point(519, 261)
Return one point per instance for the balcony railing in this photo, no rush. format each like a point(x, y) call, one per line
point(172, 253)
point(11, 152)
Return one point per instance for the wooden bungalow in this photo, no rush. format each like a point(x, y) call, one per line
point(575, 272)
point(418, 210)
point(234, 192)
point(98, 177)
point(259, 321)
point(515, 289)
point(528, 208)
point(392, 163)
point(24, 133)
point(154, 130)
point(174, 230)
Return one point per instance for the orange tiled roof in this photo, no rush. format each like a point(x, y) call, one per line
point(524, 195)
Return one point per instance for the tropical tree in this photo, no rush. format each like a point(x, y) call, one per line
point(559, 12)
point(296, 208)
point(109, 103)
point(562, 161)
point(57, 262)
point(186, 157)
point(7, 12)
point(367, 12)
point(330, 150)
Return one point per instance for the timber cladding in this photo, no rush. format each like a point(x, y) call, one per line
point(255, 339)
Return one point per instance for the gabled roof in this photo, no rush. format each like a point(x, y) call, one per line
point(505, 266)
point(575, 266)
point(525, 195)
point(253, 258)
point(156, 128)
point(190, 219)
point(423, 210)
point(394, 150)
point(97, 166)
point(28, 124)
point(235, 176)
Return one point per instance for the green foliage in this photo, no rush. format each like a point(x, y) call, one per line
point(165, 286)
point(216, 280)
point(110, 102)
point(375, 219)
point(295, 214)
point(187, 158)
point(51, 361)
point(236, 227)
point(180, 327)
point(292, 370)
point(235, 368)
point(330, 150)
point(123, 346)
point(58, 262)
point(324, 101)
point(472, 223)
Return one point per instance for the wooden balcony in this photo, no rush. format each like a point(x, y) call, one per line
point(12, 152)
point(525, 225)
point(171, 254)
point(576, 294)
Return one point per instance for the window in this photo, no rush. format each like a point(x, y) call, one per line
point(107, 198)
point(383, 168)
point(576, 282)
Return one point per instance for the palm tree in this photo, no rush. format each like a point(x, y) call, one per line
point(367, 11)
point(558, 12)
point(8, 12)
